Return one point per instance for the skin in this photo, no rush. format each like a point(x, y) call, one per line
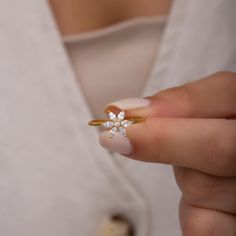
point(193, 128)
point(77, 16)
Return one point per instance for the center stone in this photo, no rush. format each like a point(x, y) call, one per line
point(117, 123)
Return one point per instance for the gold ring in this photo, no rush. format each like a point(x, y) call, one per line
point(116, 123)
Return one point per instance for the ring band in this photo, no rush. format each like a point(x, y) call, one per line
point(134, 119)
point(97, 122)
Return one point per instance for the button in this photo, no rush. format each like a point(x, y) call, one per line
point(115, 226)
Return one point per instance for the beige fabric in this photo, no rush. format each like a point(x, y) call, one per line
point(115, 62)
point(55, 179)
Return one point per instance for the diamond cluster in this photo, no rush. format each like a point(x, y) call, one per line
point(117, 124)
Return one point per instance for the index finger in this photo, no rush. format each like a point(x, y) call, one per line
point(207, 145)
point(211, 97)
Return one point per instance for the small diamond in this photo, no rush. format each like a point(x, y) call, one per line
point(108, 124)
point(121, 115)
point(122, 131)
point(117, 123)
point(112, 116)
point(113, 131)
point(111, 135)
point(126, 123)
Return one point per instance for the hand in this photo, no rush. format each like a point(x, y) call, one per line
point(191, 127)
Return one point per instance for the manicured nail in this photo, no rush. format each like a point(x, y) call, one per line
point(118, 143)
point(130, 103)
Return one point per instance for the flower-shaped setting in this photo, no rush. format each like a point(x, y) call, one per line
point(117, 123)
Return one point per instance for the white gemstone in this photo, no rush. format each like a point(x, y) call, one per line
point(117, 123)
point(121, 115)
point(122, 131)
point(111, 135)
point(111, 115)
point(114, 129)
point(126, 123)
point(108, 124)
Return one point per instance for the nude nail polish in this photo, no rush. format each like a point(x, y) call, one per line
point(118, 143)
point(130, 103)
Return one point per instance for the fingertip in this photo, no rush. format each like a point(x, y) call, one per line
point(118, 143)
point(130, 103)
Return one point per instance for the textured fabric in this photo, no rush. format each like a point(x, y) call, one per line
point(115, 62)
point(55, 179)
point(199, 40)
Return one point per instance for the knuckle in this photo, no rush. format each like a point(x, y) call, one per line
point(156, 148)
point(196, 186)
point(148, 146)
point(225, 74)
point(222, 152)
point(198, 225)
point(181, 95)
point(225, 78)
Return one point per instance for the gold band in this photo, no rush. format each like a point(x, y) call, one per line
point(97, 122)
point(134, 120)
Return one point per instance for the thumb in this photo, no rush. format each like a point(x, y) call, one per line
point(211, 97)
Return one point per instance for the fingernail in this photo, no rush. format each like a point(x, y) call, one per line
point(118, 143)
point(130, 103)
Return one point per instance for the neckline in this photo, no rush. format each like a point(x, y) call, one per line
point(114, 28)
